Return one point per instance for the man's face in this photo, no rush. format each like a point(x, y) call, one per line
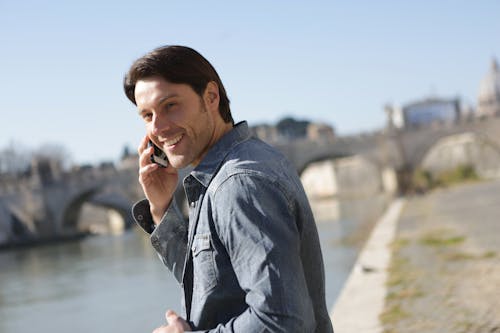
point(177, 119)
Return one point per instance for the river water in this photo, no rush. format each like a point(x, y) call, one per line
point(118, 284)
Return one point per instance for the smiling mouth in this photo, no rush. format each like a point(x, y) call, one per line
point(173, 141)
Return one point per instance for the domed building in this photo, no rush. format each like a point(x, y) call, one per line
point(489, 93)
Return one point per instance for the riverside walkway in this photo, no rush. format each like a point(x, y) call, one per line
point(432, 264)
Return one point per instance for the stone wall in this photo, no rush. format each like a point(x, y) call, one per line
point(331, 184)
point(468, 149)
point(347, 177)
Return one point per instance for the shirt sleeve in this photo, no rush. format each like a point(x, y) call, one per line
point(257, 223)
point(169, 237)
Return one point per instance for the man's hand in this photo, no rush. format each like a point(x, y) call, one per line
point(175, 324)
point(157, 183)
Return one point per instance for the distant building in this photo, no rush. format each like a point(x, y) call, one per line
point(489, 93)
point(265, 132)
point(289, 129)
point(128, 160)
point(319, 131)
point(427, 112)
point(45, 171)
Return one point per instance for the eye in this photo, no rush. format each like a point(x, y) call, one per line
point(147, 116)
point(170, 105)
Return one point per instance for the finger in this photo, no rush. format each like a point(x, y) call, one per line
point(175, 321)
point(145, 174)
point(147, 170)
point(143, 145)
point(171, 316)
point(145, 157)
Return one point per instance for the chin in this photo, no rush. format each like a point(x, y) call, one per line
point(179, 163)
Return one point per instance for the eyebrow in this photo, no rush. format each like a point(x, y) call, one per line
point(160, 101)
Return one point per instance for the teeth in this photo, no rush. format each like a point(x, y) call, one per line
point(174, 140)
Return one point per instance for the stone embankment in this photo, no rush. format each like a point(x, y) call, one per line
point(433, 266)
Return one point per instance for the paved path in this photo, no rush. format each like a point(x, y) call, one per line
point(444, 272)
point(445, 275)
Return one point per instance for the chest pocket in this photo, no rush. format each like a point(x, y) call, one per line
point(204, 276)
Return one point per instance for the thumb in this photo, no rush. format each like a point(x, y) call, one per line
point(171, 316)
point(176, 321)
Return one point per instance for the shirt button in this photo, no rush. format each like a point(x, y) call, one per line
point(192, 204)
point(140, 217)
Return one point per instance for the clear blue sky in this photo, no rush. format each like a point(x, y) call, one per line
point(62, 62)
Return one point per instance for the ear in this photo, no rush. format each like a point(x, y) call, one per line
point(211, 96)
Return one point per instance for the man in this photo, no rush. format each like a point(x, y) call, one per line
point(249, 258)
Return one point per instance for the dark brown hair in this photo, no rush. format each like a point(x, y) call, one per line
point(177, 64)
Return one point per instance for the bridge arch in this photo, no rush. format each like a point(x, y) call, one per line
point(95, 196)
point(71, 211)
point(465, 149)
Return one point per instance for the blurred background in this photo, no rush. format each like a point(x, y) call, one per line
point(369, 100)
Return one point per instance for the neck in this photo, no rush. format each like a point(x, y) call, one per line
point(221, 128)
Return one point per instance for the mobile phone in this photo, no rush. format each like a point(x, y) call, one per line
point(159, 157)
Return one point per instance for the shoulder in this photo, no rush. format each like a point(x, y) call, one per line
point(254, 157)
point(251, 168)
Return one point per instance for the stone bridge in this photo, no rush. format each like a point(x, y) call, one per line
point(45, 207)
point(395, 149)
point(49, 206)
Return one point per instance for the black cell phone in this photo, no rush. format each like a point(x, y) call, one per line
point(159, 157)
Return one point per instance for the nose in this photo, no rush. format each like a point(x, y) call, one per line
point(159, 124)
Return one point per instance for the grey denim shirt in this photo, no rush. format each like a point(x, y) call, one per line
point(249, 260)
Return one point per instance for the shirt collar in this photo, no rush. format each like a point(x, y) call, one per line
point(210, 164)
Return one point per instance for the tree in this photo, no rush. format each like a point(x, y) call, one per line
point(290, 128)
point(56, 153)
point(15, 158)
